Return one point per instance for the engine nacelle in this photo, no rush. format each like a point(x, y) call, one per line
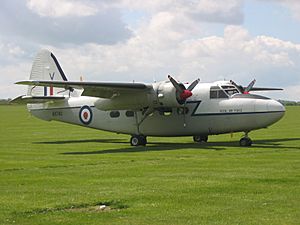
point(166, 94)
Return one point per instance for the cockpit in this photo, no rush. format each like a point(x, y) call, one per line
point(223, 91)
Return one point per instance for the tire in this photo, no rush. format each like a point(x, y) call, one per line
point(197, 138)
point(245, 142)
point(134, 141)
point(205, 138)
point(138, 140)
point(200, 138)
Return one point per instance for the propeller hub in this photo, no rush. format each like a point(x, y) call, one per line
point(185, 94)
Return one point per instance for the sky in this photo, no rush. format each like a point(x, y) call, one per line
point(144, 41)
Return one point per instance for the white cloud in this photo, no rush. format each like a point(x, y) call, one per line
point(294, 6)
point(292, 92)
point(226, 11)
point(62, 25)
point(236, 55)
point(9, 75)
point(10, 50)
point(59, 8)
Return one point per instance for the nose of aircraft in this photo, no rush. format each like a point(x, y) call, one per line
point(277, 108)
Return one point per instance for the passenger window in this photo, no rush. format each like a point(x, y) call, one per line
point(129, 113)
point(114, 114)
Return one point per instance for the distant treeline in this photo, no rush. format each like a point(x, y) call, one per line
point(4, 101)
point(289, 103)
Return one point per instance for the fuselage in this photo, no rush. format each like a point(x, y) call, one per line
point(214, 108)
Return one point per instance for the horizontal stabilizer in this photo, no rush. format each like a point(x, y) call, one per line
point(24, 99)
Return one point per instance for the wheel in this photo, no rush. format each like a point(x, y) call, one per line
point(137, 140)
point(245, 142)
point(143, 140)
point(197, 138)
point(200, 138)
point(204, 138)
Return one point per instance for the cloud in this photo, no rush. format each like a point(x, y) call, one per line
point(294, 6)
point(69, 23)
point(59, 8)
point(292, 92)
point(9, 75)
point(171, 37)
point(225, 12)
point(235, 55)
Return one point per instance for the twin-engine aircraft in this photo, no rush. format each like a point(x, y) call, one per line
point(167, 108)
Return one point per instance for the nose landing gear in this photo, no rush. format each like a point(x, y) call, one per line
point(245, 141)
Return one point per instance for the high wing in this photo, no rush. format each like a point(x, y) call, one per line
point(94, 89)
point(265, 89)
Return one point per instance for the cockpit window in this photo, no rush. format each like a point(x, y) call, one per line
point(217, 92)
point(230, 90)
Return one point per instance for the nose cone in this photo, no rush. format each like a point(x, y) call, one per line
point(277, 108)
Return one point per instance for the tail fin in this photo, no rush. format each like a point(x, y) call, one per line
point(46, 67)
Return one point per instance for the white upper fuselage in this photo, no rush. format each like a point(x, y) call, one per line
point(214, 108)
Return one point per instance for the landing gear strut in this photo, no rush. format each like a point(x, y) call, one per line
point(137, 140)
point(245, 141)
point(200, 138)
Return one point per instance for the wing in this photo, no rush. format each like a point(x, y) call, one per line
point(265, 89)
point(94, 89)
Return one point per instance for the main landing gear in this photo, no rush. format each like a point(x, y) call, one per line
point(137, 140)
point(200, 138)
point(245, 141)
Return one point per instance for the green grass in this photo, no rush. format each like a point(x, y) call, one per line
point(54, 173)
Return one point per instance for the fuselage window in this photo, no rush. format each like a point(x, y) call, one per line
point(217, 92)
point(129, 113)
point(114, 114)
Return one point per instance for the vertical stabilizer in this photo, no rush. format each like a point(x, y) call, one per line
point(46, 67)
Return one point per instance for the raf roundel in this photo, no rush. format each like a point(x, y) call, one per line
point(85, 115)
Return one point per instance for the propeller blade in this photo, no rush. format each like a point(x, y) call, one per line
point(239, 87)
point(176, 84)
point(193, 85)
point(249, 87)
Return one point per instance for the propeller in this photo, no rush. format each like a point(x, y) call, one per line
point(250, 87)
point(183, 93)
point(244, 90)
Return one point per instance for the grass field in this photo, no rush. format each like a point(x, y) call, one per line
point(54, 173)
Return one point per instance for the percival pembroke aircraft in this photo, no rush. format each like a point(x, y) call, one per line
point(166, 108)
